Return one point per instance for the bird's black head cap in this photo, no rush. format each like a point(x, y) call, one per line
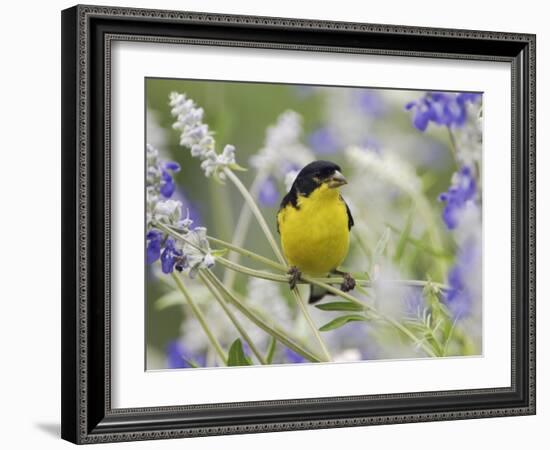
point(319, 169)
point(312, 175)
point(309, 178)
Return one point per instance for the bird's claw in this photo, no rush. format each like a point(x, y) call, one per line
point(348, 284)
point(295, 275)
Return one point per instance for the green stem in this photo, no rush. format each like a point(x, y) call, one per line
point(252, 272)
point(248, 253)
point(243, 223)
point(454, 151)
point(409, 334)
point(454, 147)
point(421, 203)
point(283, 278)
point(314, 328)
point(378, 314)
point(322, 282)
point(362, 290)
point(448, 340)
point(200, 317)
point(362, 245)
point(269, 236)
point(332, 280)
point(333, 290)
point(436, 345)
point(232, 318)
point(286, 278)
point(256, 212)
point(222, 213)
point(274, 331)
point(424, 210)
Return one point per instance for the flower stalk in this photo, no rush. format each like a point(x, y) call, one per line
point(286, 278)
point(243, 223)
point(376, 313)
point(453, 146)
point(269, 236)
point(201, 319)
point(256, 212)
point(323, 282)
point(217, 295)
point(275, 331)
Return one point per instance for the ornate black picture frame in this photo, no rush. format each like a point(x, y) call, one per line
point(87, 35)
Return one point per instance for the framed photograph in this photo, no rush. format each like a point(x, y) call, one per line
point(283, 224)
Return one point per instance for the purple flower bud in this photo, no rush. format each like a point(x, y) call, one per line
point(459, 298)
point(167, 185)
point(462, 191)
point(169, 256)
point(269, 194)
point(323, 141)
point(154, 238)
point(172, 165)
point(441, 108)
point(179, 357)
point(421, 119)
point(293, 357)
point(371, 103)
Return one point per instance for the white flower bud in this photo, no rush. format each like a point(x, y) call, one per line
point(168, 211)
point(196, 135)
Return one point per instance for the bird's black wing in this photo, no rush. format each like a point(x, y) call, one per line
point(292, 198)
point(350, 217)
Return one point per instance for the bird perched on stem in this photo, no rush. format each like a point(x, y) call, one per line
point(314, 223)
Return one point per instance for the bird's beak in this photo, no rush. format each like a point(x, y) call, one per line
point(336, 180)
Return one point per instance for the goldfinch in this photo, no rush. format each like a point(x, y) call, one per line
point(314, 223)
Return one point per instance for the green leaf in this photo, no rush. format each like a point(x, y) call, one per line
point(421, 244)
point(382, 244)
point(362, 244)
point(271, 350)
point(235, 166)
point(219, 252)
point(341, 321)
point(216, 177)
point(237, 356)
point(339, 306)
point(403, 240)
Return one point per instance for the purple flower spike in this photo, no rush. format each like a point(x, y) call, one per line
point(441, 108)
point(459, 298)
point(370, 102)
point(179, 357)
point(169, 256)
point(421, 119)
point(293, 357)
point(468, 97)
point(154, 238)
point(462, 191)
point(167, 185)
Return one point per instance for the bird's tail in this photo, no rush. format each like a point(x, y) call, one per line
point(316, 293)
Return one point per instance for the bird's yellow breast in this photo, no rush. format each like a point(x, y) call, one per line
point(315, 236)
